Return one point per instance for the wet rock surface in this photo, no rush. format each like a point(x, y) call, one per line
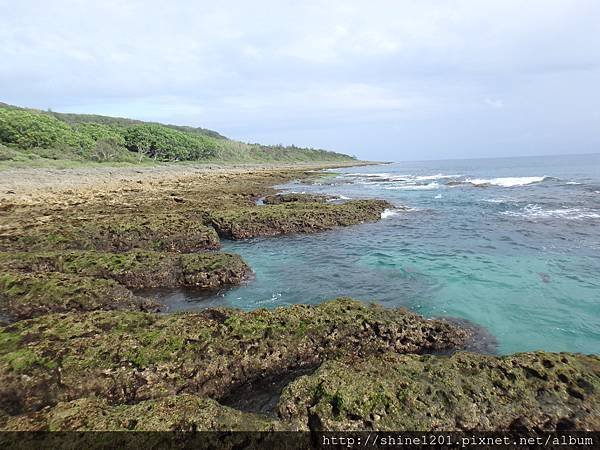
point(261, 396)
point(128, 357)
point(294, 217)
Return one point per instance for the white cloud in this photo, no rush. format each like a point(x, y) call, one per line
point(494, 103)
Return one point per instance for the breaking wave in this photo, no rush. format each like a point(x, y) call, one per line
point(534, 211)
point(505, 181)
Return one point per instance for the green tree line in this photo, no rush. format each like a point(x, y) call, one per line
point(91, 137)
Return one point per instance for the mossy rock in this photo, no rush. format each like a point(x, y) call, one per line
point(128, 357)
point(173, 413)
point(294, 217)
point(465, 392)
point(23, 296)
point(137, 269)
point(115, 233)
point(278, 199)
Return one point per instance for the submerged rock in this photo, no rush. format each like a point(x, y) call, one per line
point(466, 391)
point(128, 357)
point(294, 217)
point(137, 269)
point(23, 296)
point(116, 233)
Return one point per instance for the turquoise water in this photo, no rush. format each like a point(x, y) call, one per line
point(510, 244)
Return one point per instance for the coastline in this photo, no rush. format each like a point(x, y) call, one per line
point(27, 184)
point(107, 231)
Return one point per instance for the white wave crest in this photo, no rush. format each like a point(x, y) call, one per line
point(533, 211)
point(370, 175)
point(387, 213)
point(415, 187)
point(505, 182)
point(438, 176)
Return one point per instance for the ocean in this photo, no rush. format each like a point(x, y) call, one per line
point(510, 244)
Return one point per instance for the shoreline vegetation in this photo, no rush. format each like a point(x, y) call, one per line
point(36, 138)
point(80, 350)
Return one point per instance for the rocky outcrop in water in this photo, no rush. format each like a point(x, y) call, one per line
point(116, 233)
point(278, 199)
point(294, 217)
point(136, 269)
point(27, 295)
point(37, 283)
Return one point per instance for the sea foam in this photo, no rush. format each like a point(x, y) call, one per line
point(387, 213)
point(534, 211)
point(505, 182)
point(414, 187)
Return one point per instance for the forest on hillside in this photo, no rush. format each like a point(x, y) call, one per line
point(28, 135)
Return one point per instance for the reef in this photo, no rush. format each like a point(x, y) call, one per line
point(374, 371)
point(120, 233)
point(182, 412)
point(294, 217)
point(128, 357)
point(136, 269)
point(278, 199)
point(27, 295)
point(82, 351)
point(83, 251)
point(464, 392)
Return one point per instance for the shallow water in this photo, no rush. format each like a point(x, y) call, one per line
point(510, 244)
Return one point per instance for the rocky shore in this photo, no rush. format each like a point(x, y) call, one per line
point(81, 350)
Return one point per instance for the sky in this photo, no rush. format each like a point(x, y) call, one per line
point(382, 80)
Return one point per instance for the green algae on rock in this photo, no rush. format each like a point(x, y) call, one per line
point(277, 199)
point(128, 357)
point(182, 412)
point(27, 295)
point(528, 391)
point(137, 269)
point(116, 233)
point(294, 217)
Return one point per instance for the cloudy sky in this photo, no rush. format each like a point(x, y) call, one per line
point(393, 80)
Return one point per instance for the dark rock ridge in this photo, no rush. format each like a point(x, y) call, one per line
point(528, 391)
point(294, 217)
point(129, 357)
point(277, 199)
